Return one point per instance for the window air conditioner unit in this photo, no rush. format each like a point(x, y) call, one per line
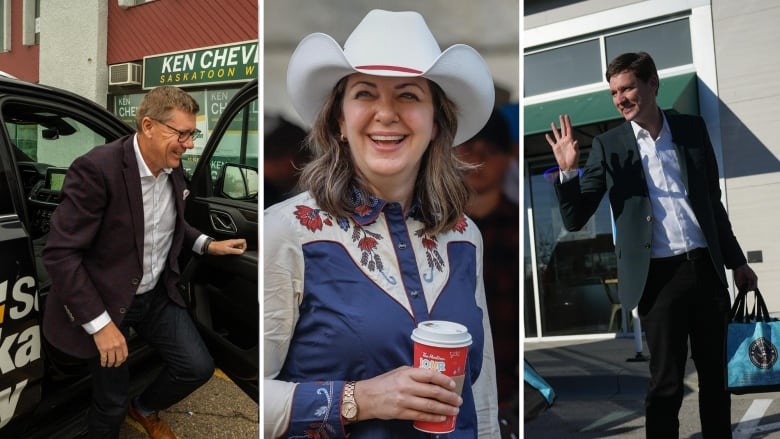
point(125, 74)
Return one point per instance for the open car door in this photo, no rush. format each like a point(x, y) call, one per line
point(223, 290)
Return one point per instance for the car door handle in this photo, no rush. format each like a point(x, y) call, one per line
point(222, 222)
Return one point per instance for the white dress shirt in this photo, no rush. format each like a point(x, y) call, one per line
point(675, 227)
point(159, 225)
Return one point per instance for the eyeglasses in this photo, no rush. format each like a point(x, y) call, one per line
point(183, 135)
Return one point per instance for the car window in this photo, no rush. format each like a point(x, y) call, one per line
point(46, 136)
point(238, 145)
point(44, 140)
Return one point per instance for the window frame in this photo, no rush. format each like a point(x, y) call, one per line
point(601, 36)
point(5, 31)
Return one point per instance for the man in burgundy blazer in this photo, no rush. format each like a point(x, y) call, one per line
point(112, 255)
point(101, 221)
point(673, 238)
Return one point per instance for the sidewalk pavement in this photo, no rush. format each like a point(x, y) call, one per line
point(595, 368)
point(598, 392)
point(601, 395)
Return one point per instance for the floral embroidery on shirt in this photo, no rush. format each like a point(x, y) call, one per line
point(367, 241)
point(363, 210)
point(432, 255)
point(314, 219)
point(311, 218)
point(461, 225)
point(321, 430)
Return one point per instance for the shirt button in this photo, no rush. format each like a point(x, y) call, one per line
point(402, 246)
point(649, 218)
point(135, 281)
point(647, 245)
point(122, 310)
point(415, 293)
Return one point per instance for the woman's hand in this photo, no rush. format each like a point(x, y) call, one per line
point(408, 393)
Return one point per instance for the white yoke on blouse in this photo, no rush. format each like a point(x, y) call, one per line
point(341, 298)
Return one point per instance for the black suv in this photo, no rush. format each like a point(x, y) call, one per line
point(44, 394)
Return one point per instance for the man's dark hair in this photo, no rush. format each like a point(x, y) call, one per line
point(639, 63)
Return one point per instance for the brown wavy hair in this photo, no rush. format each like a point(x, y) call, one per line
point(440, 187)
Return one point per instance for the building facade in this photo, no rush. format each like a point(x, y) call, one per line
point(113, 51)
point(713, 60)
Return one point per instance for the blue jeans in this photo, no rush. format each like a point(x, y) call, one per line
point(187, 363)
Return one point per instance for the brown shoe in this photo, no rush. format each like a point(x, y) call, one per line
point(155, 427)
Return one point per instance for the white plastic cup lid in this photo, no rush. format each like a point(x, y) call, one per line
point(441, 333)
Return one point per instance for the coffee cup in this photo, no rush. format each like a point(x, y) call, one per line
point(442, 346)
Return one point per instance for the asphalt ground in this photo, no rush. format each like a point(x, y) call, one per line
point(601, 395)
point(217, 410)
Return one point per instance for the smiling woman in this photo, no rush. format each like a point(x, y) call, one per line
point(379, 241)
point(388, 123)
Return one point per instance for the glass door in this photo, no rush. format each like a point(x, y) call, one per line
point(575, 278)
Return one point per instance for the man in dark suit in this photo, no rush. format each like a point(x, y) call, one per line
point(673, 238)
point(112, 254)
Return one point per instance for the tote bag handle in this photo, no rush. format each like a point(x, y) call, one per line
point(739, 310)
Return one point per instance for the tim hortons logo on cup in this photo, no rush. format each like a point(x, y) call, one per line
point(433, 364)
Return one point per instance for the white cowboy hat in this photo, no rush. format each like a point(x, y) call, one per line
point(392, 44)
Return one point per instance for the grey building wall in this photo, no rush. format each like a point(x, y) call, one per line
point(541, 12)
point(73, 39)
point(746, 41)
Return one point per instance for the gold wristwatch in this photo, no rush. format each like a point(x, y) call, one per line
point(349, 407)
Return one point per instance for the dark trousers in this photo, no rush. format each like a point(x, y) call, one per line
point(684, 299)
point(188, 364)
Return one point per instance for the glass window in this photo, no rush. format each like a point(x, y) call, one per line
point(131, 3)
point(238, 144)
point(579, 64)
point(669, 43)
point(44, 142)
point(561, 68)
point(577, 271)
point(5, 25)
point(37, 21)
point(529, 300)
point(30, 15)
point(212, 103)
point(46, 137)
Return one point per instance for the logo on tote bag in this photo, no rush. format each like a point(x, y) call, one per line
point(763, 354)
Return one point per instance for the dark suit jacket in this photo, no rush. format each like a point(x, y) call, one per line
point(614, 167)
point(95, 245)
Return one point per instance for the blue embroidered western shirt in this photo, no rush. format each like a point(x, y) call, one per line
point(342, 296)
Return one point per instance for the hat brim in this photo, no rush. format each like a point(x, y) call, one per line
point(318, 63)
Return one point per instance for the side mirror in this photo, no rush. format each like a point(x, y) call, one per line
point(237, 182)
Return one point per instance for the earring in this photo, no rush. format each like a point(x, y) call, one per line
point(342, 138)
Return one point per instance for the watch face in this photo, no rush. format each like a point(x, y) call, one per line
point(349, 410)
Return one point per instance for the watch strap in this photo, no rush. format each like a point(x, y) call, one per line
point(349, 407)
